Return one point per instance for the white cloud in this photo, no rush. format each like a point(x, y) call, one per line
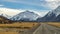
point(12, 12)
point(52, 3)
point(52, 0)
point(9, 11)
point(1, 5)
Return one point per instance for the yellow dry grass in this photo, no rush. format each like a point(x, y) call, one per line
point(22, 24)
point(57, 24)
point(8, 32)
point(16, 25)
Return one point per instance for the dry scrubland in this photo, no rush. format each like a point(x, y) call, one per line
point(20, 25)
point(56, 24)
point(8, 33)
point(14, 28)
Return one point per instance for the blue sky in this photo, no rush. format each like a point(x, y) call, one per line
point(30, 4)
point(18, 5)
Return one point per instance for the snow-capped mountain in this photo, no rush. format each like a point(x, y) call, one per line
point(5, 15)
point(49, 16)
point(8, 12)
point(57, 11)
point(26, 15)
point(53, 15)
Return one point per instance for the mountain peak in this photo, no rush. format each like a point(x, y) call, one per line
point(5, 15)
point(58, 7)
point(57, 11)
point(26, 14)
point(27, 11)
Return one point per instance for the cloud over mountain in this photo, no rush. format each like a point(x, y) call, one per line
point(12, 12)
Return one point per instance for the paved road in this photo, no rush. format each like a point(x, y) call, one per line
point(46, 29)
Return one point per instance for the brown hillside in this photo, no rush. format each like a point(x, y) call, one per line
point(4, 20)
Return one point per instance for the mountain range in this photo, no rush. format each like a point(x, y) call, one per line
point(51, 16)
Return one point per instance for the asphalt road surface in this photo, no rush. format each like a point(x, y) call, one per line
point(46, 29)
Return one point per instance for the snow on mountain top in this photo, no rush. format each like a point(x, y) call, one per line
point(26, 14)
point(40, 13)
point(57, 11)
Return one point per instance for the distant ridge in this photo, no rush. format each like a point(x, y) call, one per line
point(4, 20)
